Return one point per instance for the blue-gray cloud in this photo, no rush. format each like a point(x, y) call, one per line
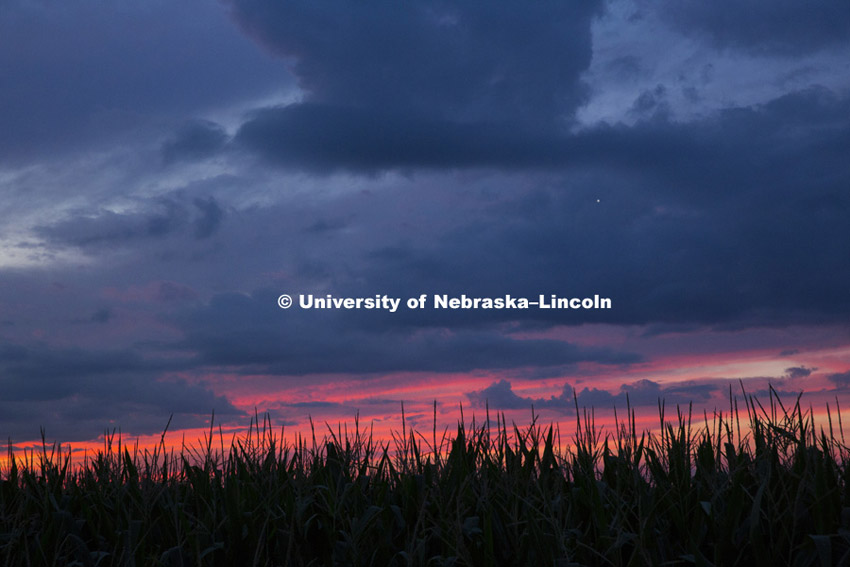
point(799, 372)
point(776, 27)
point(197, 139)
point(840, 379)
point(76, 393)
point(405, 149)
point(500, 395)
point(236, 330)
point(71, 89)
point(160, 219)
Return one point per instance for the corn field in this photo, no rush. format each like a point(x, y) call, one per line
point(759, 486)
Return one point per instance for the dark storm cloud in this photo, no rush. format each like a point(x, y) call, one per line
point(252, 332)
point(735, 220)
point(777, 148)
point(500, 395)
point(412, 86)
point(762, 26)
point(323, 138)
point(419, 84)
point(91, 389)
point(45, 373)
point(453, 61)
point(738, 149)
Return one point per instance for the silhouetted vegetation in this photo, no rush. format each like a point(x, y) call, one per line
point(767, 489)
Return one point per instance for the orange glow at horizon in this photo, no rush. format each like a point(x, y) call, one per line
point(335, 400)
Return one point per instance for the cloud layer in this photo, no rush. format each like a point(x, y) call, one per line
point(169, 173)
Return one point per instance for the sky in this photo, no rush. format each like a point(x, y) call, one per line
point(168, 170)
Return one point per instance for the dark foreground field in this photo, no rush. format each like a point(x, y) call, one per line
point(761, 487)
